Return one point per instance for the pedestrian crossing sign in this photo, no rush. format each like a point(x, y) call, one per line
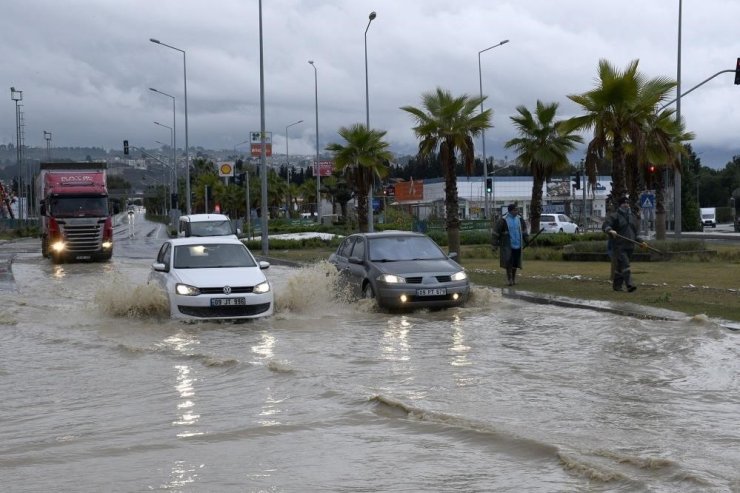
point(647, 200)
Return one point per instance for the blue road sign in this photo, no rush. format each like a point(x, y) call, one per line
point(647, 200)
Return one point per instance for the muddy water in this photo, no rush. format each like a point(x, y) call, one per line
point(99, 391)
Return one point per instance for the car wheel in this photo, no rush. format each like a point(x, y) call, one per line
point(367, 291)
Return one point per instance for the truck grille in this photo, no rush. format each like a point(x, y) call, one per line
point(83, 238)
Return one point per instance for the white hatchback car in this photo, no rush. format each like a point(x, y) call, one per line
point(211, 278)
point(557, 223)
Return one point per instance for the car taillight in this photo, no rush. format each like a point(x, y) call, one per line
point(108, 229)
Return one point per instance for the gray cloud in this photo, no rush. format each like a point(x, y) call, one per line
point(85, 66)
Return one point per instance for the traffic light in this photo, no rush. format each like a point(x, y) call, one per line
point(239, 179)
point(174, 200)
point(651, 169)
point(737, 72)
point(577, 181)
point(489, 185)
point(125, 147)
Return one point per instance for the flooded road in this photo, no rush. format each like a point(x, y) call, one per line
point(100, 391)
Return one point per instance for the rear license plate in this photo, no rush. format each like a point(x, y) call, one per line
point(228, 301)
point(431, 292)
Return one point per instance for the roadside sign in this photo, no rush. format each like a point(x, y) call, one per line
point(325, 167)
point(225, 169)
point(257, 149)
point(256, 137)
point(647, 200)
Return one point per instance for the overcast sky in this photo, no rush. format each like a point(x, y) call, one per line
point(85, 66)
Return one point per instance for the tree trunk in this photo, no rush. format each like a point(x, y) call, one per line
point(451, 207)
point(535, 207)
point(362, 212)
point(660, 215)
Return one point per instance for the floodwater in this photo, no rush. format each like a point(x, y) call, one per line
point(99, 391)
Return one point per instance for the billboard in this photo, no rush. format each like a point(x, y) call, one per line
point(326, 168)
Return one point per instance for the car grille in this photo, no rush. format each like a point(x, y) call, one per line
point(417, 280)
point(234, 290)
point(223, 311)
point(83, 237)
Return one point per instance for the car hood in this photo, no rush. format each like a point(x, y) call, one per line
point(244, 276)
point(439, 266)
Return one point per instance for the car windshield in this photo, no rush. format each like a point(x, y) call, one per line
point(210, 228)
point(404, 248)
point(211, 256)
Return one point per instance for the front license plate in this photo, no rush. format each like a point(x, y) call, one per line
point(431, 292)
point(228, 301)
point(83, 257)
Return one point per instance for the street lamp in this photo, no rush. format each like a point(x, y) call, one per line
point(370, 227)
point(174, 165)
point(47, 137)
point(318, 165)
point(174, 139)
point(287, 159)
point(483, 132)
point(187, 148)
point(17, 96)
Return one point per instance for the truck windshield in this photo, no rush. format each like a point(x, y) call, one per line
point(78, 206)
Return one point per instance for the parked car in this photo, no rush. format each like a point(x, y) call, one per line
point(557, 223)
point(400, 269)
point(205, 225)
point(212, 278)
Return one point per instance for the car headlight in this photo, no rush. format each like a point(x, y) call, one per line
point(263, 287)
point(186, 290)
point(391, 279)
point(459, 276)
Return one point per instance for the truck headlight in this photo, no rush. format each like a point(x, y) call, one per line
point(57, 246)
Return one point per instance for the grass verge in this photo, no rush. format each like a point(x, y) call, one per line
point(690, 285)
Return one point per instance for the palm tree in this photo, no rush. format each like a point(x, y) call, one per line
point(447, 125)
point(616, 111)
point(362, 158)
point(542, 146)
point(663, 140)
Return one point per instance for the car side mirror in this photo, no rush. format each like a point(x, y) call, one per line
point(42, 208)
point(355, 260)
point(159, 267)
point(264, 265)
point(452, 255)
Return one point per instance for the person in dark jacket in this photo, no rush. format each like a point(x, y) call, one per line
point(623, 229)
point(510, 235)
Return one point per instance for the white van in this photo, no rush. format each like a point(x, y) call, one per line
point(205, 225)
point(708, 217)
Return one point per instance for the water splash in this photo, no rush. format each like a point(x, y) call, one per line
point(312, 288)
point(122, 299)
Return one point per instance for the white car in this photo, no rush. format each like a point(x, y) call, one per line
point(205, 225)
point(212, 278)
point(557, 223)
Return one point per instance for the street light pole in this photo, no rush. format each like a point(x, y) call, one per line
point(483, 132)
point(174, 142)
point(677, 174)
point(17, 96)
point(174, 165)
point(287, 165)
point(370, 221)
point(187, 148)
point(318, 165)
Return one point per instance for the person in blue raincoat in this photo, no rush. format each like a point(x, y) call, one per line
point(510, 235)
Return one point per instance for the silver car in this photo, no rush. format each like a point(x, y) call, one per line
point(400, 269)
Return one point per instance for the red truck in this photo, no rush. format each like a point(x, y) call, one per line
point(76, 223)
